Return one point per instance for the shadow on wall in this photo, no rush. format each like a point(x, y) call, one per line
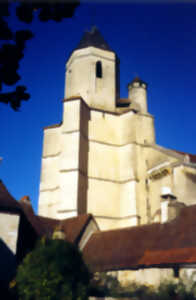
point(191, 176)
point(7, 264)
point(83, 160)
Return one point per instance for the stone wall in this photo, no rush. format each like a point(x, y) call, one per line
point(9, 224)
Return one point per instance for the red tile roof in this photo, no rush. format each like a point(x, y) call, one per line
point(43, 226)
point(75, 227)
point(145, 246)
point(7, 202)
point(72, 227)
point(28, 211)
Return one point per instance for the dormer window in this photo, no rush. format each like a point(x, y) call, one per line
point(99, 73)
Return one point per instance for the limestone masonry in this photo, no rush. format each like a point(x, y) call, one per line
point(103, 158)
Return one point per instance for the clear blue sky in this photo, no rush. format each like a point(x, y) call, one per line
point(155, 41)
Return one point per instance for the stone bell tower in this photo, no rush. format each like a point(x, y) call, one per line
point(93, 161)
point(91, 72)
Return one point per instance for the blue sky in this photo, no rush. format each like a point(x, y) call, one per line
point(155, 41)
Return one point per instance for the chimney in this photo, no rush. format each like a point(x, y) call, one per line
point(167, 198)
point(25, 199)
point(170, 207)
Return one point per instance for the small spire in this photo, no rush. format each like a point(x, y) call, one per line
point(93, 29)
point(93, 38)
point(137, 80)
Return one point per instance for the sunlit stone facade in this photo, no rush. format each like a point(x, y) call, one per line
point(103, 158)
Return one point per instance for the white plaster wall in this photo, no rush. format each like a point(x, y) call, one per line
point(103, 162)
point(71, 115)
point(69, 157)
point(66, 214)
point(48, 202)
point(59, 187)
point(104, 128)
point(138, 95)
point(155, 157)
point(128, 127)
point(103, 198)
point(188, 276)
point(114, 155)
point(152, 276)
point(69, 190)
point(164, 211)
point(49, 184)
point(184, 184)
point(112, 161)
point(145, 129)
point(52, 141)
point(9, 225)
point(155, 191)
point(128, 199)
point(49, 175)
point(110, 223)
point(127, 162)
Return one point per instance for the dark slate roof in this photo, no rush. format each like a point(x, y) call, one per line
point(7, 202)
point(93, 38)
point(28, 211)
point(154, 245)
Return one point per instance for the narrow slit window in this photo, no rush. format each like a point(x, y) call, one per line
point(99, 69)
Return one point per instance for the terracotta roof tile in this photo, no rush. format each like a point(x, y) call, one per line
point(72, 227)
point(144, 246)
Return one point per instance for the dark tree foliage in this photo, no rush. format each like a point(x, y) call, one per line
point(12, 44)
point(54, 270)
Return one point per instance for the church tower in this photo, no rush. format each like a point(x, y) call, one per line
point(94, 161)
point(91, 72)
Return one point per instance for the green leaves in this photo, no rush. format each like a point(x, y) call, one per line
point(13, 46)
point(54, 270)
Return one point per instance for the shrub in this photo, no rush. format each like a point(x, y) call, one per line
point(53, 270)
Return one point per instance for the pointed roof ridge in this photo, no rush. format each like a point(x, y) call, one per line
point(7, 201)
point(137, 79)
point(93, 38)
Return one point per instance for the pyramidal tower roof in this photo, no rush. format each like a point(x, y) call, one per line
point(93, 38)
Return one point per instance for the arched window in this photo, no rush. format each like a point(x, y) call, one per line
point(99, 69)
